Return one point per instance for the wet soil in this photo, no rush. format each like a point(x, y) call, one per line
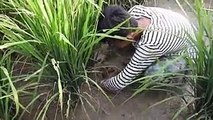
point(137, 108)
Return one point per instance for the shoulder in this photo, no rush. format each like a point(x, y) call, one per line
point(137, 7)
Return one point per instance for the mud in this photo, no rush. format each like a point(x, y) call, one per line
point(137, 108)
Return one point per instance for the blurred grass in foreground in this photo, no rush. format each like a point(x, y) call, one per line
point(203, 64)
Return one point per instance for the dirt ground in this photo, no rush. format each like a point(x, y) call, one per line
point(137, 107)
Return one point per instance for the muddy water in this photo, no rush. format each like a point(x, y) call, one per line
point(137, 107)
point(134, 109)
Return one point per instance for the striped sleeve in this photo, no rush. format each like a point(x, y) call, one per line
point(143, 57)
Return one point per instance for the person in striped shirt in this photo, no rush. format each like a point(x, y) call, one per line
point(157, 32)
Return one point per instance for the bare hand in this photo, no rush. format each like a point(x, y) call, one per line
point(104, 84)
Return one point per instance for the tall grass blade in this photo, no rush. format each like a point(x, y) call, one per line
point(7, 45)
point(14, 91)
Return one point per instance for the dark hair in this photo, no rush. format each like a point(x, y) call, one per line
point(114, 15)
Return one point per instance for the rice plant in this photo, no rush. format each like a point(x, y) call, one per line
point(12, 86)
point(7, 90)
point(9, 101)
point(63, 29)
point(60, 32)
point(203, 64)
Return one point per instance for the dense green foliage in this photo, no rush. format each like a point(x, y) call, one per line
point(63, 32)
point(204, 62)
point(57, 35)
point(7, 90)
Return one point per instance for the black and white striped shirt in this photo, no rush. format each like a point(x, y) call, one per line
point(167, 34)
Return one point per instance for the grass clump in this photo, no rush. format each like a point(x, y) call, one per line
point(58, 35)
point(8, 92)
point(63, 31)
point(10, 104)
point(203, 63)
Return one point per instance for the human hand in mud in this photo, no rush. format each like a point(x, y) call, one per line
point(105, 85)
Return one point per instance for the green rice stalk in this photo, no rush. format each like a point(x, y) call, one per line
point(203, 64)
point(14, 91)
point(64, 29)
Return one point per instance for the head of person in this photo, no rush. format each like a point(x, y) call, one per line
point(112, 16)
